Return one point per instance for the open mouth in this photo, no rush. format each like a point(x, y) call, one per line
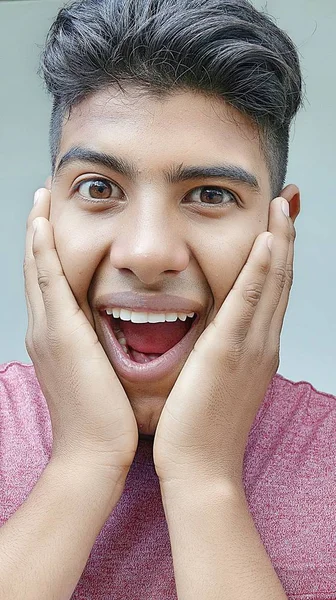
point(148, 352)
point(144, 342)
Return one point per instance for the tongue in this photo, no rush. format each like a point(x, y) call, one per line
point(151, 338)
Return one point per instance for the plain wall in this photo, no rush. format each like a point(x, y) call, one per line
point(309, 331)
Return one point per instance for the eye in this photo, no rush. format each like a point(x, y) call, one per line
point(212, 196)
point(98, 189)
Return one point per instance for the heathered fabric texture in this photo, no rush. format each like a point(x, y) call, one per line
point(289, 478)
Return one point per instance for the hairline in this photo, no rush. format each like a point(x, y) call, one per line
point(62, 112)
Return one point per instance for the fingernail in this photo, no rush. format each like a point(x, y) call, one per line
point(270, 241)
point(37, 196)
point(285, 207)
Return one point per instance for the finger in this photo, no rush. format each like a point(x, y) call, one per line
point(236, 314)
point(48, 183)
point(279, 225)
point(33, 293)
point(59, 302)
point(28, 335)
point(29, 313)
point(279, 315)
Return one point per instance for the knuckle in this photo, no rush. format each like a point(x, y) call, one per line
point(288, 235)
point(290, 275)
point(264, 267)
point(257, 344)
point(280, 275)
point(257, 354)
point(44, 280)
point(234, 356)
point(26, 266)
point(252, 293)
point(36, 251)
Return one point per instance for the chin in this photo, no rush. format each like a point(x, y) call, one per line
point(147, 425)
point(147, 409)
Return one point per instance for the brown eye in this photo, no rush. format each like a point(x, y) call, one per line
point(98, 189)
point(212, 196)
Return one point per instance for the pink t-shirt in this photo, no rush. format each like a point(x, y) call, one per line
point(289, 478)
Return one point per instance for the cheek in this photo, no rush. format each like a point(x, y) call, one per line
point(226, 264)
point(80, 256)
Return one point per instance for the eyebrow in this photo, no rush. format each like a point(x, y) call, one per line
point(175, 174)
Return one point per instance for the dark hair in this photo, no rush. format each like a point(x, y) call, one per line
point(224, 48)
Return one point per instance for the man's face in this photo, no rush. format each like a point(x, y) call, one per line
point(145, 233)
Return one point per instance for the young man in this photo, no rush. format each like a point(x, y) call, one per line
point(155, 309)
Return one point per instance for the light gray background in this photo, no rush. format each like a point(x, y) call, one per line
point(309, 332)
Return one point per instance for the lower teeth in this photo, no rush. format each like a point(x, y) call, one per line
point(122, 341)
point(125, 349)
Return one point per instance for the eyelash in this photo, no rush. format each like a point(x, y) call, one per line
point(204, 187)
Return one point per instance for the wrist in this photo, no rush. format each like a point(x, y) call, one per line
point(201, 491)
point(81, 471)
point(223, 475)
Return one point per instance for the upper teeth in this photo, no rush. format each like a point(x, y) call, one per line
point(146, 317)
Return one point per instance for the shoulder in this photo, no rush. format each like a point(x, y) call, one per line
point(290, 480)
point(297, 401)
point(302, 403)
point(20, 392)
point(295, 426)
point(301, 389)
point(17, 377)
point(25, 435)
point(15, 366)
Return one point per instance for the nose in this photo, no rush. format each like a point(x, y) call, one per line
point(149, 243)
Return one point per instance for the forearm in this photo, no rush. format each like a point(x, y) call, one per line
point(217, 551)
point(45, 545)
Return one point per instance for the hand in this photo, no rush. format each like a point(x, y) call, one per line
point(203, 428)
point(91, 416)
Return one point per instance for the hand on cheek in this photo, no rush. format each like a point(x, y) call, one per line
point(203, 428)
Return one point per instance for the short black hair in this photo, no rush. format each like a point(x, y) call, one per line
point(222, 48)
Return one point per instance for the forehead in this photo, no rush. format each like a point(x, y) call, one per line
point(183, 127)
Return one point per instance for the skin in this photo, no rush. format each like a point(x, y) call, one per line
point(159, 240)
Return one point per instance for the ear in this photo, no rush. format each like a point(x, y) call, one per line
point(291, 193)
point(47, 183)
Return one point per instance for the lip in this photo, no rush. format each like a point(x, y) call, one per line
point(155, 369)
point(149, 302)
